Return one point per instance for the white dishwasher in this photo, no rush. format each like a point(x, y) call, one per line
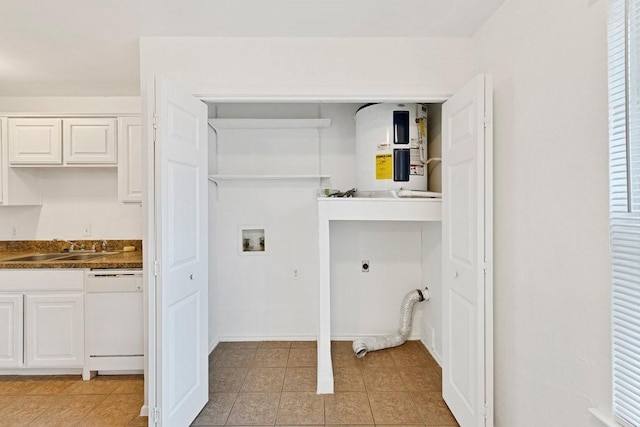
point(114, 324)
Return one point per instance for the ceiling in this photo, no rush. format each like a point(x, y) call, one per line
point(90, 47)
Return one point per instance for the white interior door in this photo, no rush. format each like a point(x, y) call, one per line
point(467, 368)
point(181, 250)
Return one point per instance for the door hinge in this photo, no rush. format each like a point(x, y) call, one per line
point(156, 415)
point(155, 125)
point(487, 411)
point(486, 267)
point(156, 268)
point(486, 120)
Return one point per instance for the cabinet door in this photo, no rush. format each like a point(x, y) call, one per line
point(129, 159)
point(11, 330)
point(54, 330)
point(89, 141)
point(18, 186)
point(35, 141)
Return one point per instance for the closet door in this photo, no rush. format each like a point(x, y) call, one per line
point(180, 245)
point(467, 370)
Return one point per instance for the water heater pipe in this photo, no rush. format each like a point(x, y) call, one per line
point(364, 345)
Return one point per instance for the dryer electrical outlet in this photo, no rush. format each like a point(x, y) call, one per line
point(365, 266)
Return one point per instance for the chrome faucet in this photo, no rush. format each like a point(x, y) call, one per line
point(72, 244)
point(104, 246)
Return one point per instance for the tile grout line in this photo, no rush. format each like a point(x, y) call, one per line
point(275, 422)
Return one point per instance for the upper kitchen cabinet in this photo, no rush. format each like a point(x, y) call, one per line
point(129, 160)
point(62, 142)
point(89, 141)
point(35, 141)
point(18, 186)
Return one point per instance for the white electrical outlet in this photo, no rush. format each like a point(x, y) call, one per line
point(14, 231)
point(86, 230)
point(296, 274)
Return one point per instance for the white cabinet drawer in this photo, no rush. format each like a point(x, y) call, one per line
point(41, 279)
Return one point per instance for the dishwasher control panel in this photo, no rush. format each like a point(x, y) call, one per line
point(114, 281)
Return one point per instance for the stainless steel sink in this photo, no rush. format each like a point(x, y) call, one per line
point(38, 257)
point(60, 256)
point(85, 257)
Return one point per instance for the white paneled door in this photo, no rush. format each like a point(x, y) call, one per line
point(467, 340)
point(181, 249)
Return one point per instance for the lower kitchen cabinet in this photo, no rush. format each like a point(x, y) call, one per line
point(54, 330)
point(11, 328)
point(41, 320)
point(71, 320)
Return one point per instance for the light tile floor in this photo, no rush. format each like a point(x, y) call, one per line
point(251, 383)
point(111, 401)
point(274, 383)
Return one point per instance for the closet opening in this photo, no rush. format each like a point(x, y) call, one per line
point(271, 164)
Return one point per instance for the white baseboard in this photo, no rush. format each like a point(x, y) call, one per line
point(355, 337)
point(235, 338)
point(269, 338)
point(604, 416)
point(30, 371)
point(213, 345)
point(122, 372)
point(433, 354)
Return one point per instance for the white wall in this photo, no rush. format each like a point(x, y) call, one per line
point(552, 283)
point(70, 104)
point(73, 197)
point(430, 329)
point(316, 68)
point(369, 303)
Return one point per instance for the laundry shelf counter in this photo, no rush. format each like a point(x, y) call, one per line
point(355, 209)
point(379, 209)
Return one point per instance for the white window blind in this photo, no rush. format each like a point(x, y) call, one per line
point(624, 171)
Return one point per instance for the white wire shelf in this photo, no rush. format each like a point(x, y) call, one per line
point(218, 178)
point(270, 123)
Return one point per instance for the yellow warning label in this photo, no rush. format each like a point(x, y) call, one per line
point(384, 166)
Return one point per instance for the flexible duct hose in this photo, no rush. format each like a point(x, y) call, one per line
point(364, 345)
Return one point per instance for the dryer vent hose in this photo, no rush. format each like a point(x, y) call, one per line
point(364, 345)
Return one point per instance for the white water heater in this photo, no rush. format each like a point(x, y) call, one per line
point(391, 149)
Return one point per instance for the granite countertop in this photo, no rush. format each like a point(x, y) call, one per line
point(17, 248)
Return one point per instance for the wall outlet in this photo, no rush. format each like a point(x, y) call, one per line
point(365, 265)
point(14, 231)
point(86, 230)
point(296, 274)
